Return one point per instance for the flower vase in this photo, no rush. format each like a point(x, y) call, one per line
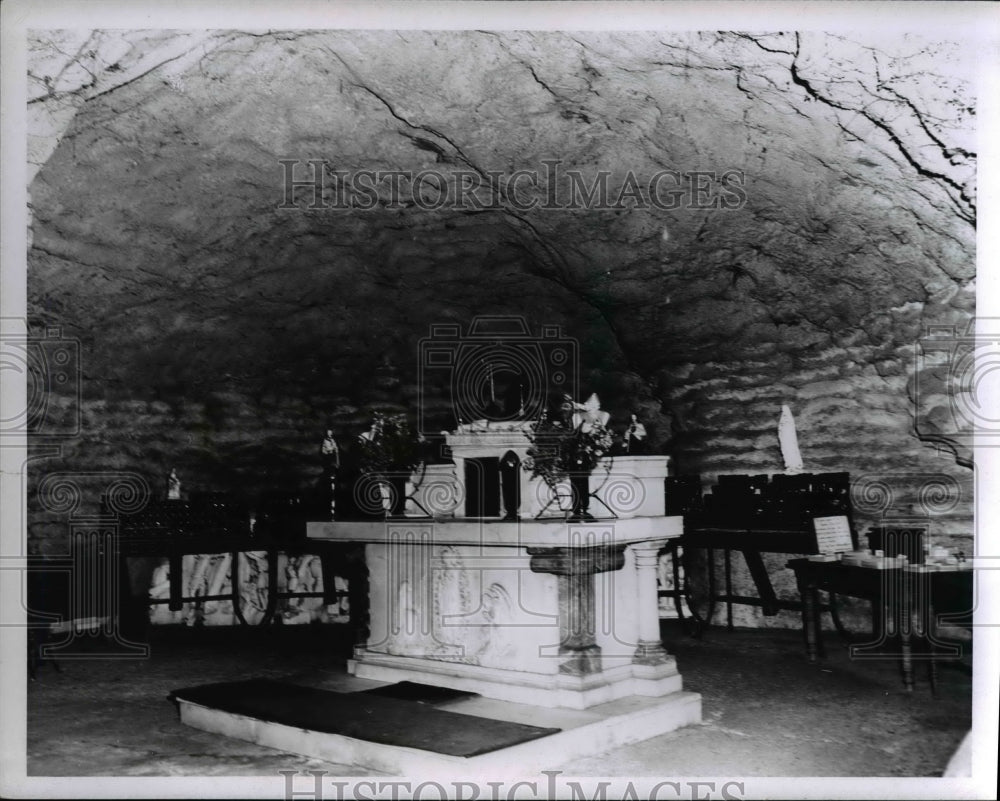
point(395, 503)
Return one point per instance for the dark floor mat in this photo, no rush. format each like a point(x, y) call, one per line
point(364, 716)
point(421, 693)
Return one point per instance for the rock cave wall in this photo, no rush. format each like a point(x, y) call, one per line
point(221, 333)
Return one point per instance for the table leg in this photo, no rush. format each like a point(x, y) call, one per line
point(710, 613)
point(835, 617)
point(675, 568)
point(923, 622)
point(879, 632)
point(896, 613)
point(817, 612)
point(907, 652)
point(922, 626)
point(697, 624)
point(769, 603)
point(807, 594)
point(901, 610)
point(234, 587)
point(932, 666)
point(176, 581)
point(272, 586)
point(729, 589)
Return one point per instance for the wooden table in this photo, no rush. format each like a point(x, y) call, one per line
point(751, 542)
point(906, 605)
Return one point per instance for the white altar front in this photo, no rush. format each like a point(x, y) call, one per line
point(543, 611)
point(548, 613)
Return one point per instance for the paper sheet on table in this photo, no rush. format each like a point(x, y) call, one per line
point(833, 534)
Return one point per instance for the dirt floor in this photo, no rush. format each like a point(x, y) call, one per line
point(766, 710)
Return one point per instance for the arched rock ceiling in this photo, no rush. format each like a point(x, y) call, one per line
point(157, 237)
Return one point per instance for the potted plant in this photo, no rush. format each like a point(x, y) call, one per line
point(388, 453)
point(567, 445)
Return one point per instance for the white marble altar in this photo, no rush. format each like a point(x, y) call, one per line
point(524, 605)
point(550, 621)
point(541, 612)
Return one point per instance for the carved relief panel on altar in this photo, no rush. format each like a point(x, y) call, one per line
point(477, 606)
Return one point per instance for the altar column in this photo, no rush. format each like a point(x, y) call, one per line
point(575, 569)
point(650, 650)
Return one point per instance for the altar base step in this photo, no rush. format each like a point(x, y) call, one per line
point(521, 687)
point(583, 733)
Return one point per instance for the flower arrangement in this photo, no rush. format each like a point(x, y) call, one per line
point(389, 446)
point(570, 443)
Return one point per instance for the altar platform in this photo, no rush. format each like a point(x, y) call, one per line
point(563, 734)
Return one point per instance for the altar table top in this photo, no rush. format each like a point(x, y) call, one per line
point(551, 533)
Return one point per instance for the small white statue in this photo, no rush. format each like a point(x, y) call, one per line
point(330, 453)
point(173, 487)
point(636, 433)
point(789, 442)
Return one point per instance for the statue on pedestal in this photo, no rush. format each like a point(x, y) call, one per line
point(634, 436)
point(173, 487)
point(789, 442)
point(330, 454)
